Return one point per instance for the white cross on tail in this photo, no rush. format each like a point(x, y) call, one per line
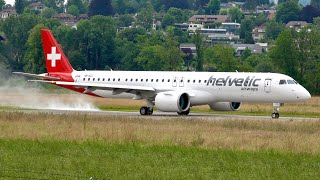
point(53, 56)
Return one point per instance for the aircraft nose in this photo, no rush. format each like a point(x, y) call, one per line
point(304, 94)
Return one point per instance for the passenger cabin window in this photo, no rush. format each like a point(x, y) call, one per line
point(84, 79)
point(103, 79)
point(98, 79)
point(283, 81)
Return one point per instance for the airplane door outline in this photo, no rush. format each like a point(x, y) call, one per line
point(181, 82)
point(267, 85)
point(77, 78)
point(174, 82)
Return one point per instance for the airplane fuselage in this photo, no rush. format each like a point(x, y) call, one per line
point(202, 87)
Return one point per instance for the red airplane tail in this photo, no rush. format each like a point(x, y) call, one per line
point(56, 61)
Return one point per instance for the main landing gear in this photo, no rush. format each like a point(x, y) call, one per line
point(184, 113)
point(276, 108)
point(146, 110)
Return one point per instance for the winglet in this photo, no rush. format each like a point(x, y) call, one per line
point(56, 61)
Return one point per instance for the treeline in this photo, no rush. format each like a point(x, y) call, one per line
point(99, 43)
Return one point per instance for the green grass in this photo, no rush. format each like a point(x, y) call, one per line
point(53, 159)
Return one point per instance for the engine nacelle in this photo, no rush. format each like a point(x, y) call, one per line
point(172, 101)
point(225, 106)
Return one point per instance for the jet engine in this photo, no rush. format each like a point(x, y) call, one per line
point(225, 106)
point(172, 101)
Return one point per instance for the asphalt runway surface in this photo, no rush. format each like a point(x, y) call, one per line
point(166, 116)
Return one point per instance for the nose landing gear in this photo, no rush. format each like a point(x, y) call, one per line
point(276, 108)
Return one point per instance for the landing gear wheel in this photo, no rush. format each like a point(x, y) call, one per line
point(143, 110)
point(184, 113)
point(275, 115)
point(150, 111)
point(146, 110)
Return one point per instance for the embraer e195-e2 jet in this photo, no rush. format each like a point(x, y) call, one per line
point(171, 91)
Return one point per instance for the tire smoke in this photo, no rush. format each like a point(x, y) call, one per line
point(17, 92)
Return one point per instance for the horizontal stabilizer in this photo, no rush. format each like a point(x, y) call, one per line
point(38, 76)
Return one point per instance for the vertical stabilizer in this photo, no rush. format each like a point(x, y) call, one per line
point(56, 61)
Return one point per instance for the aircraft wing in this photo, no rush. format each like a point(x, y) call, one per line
point(117, 89)
point(38, 76)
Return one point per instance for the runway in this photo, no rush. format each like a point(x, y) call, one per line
point(167, 116)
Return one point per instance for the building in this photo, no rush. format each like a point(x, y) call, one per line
point(188, 48)
point(231, 27)
point(258, 33)
point(205, 19)
point(66, 19)
point(37, 6)
point(7, 12)
point(240, 48)
point(297, 25)
point(182, 26)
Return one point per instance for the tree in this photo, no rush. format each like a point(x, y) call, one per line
point(57, 5)
point(145, 17)
point(316, 21)
point(125, 20)
point(19, 5)
point(246, 28)
point(221, 58)
point(182, 4)
point(100, 7)
point(73, 10)
point(152, 58)
point(174, 57)
point(315, 3)
point(201, 3)
point(273, 29)
point(2, 3)
point(235, 14)
point(198, 41)
point(167, 20)
point(250, 4)
point(95, 39)
point(79, 4)
point(213, 7)
point(284, 54)
point(16, 29)
point(48, 12)
point(33, 59)
point(308, 13)
point(307, 44)
point(179, 14)
point(260, 20)
point(288, 11)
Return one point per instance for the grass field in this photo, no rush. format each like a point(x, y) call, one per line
point(77, 146)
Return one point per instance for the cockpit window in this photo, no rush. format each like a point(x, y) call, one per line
point(291, 82)
point(282, 81)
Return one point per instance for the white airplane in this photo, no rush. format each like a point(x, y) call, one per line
point(171, 91)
